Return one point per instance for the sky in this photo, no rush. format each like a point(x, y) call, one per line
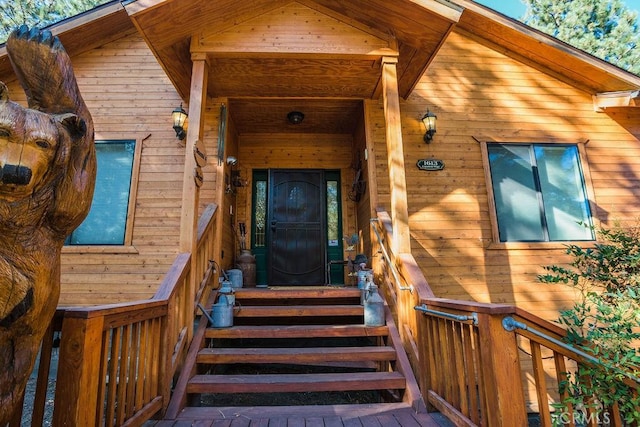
point(516, 9)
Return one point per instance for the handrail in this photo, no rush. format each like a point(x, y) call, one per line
point(394, 272)
point(117, 362)
point(473, 317)
point(488, 358)
point(510, 324)
point(470, 368)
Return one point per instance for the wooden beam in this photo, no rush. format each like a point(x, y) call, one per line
point(627, 98)
point(395, 157)
point(190, 191)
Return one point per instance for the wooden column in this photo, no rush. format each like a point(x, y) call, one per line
point(190, 191)
point(395, 157)
point(78, 371)
point(501, 373)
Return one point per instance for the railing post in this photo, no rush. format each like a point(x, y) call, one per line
point(78, 372)
point(501, 373)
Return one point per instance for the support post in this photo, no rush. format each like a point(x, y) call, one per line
point(76, 394)
point(395, 158)
point(190, 191)
point(501, 373)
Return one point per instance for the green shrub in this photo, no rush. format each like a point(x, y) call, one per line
point(604, 322)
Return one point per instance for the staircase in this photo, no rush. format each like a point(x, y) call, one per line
point(295, 346)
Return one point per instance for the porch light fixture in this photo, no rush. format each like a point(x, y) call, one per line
point(429, 122)
point(295, 117)
point(179, 117)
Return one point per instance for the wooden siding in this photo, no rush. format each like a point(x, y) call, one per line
point(480, 94)
point(130, 97)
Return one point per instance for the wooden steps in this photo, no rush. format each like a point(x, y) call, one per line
point(278, 383)
point(302, 355)
point(295, 341)
point(270, 311)
point(298, 331)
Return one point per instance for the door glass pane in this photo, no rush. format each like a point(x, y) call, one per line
point(517, 204)
point(565, 203)
point(332, 213)
point(260, 213)
point(107, 219)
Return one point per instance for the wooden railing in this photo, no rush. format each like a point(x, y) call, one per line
point(117, 362)
point(482, 364)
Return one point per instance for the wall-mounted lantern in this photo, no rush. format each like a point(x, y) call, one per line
point(179, 117)
point(429, 121)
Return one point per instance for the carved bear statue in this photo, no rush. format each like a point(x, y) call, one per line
point(47, 177)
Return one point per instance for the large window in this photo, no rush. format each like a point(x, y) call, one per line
point(107, 219)
point(539, 193)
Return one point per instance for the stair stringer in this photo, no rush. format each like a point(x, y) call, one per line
point(178, 399)
point(412, 394)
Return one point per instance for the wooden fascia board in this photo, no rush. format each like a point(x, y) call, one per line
point(137, 6)
point(476, 19)
point(442, 8)
point(111, 16)
point(415, 69)
point(604, 100)
point(88, 18)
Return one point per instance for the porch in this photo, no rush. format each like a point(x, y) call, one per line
point(468, 359)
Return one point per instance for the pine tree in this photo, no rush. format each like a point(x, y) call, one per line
point(39, 13)
point(603, 28)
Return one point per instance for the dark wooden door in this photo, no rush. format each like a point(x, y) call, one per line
point(297, 227)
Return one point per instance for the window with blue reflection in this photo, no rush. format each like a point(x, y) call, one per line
point(539, 193)
point(106, 222)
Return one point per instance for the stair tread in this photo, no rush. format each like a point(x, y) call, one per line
point(298, 310)
point(297, 331)
point(296, 355)
point(305, 293)
point(274, 383)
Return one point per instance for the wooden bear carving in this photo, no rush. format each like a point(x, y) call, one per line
point(47, 176)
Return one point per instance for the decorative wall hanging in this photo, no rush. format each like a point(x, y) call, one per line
point(222, 131)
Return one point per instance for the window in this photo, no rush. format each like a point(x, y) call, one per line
point(332, 213)
point(106, 222)
point(539, 193)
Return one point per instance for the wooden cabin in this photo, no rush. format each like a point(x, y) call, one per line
point(305, 129)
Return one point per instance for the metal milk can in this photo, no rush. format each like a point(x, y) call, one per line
point(367, 282)
point(373, 307)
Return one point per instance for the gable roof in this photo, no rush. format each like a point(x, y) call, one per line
point(412, 30)
point(84, 32)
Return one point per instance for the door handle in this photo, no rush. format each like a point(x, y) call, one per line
point(273, 225)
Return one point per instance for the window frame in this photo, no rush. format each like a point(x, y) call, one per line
point(127, 246)
point(588, 187)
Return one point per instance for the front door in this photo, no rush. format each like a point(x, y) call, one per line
point(296, 227)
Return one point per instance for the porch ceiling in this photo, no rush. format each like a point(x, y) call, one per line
point(264, 115)
point(289, 66)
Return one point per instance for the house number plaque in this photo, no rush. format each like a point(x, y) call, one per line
point(430, 164)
